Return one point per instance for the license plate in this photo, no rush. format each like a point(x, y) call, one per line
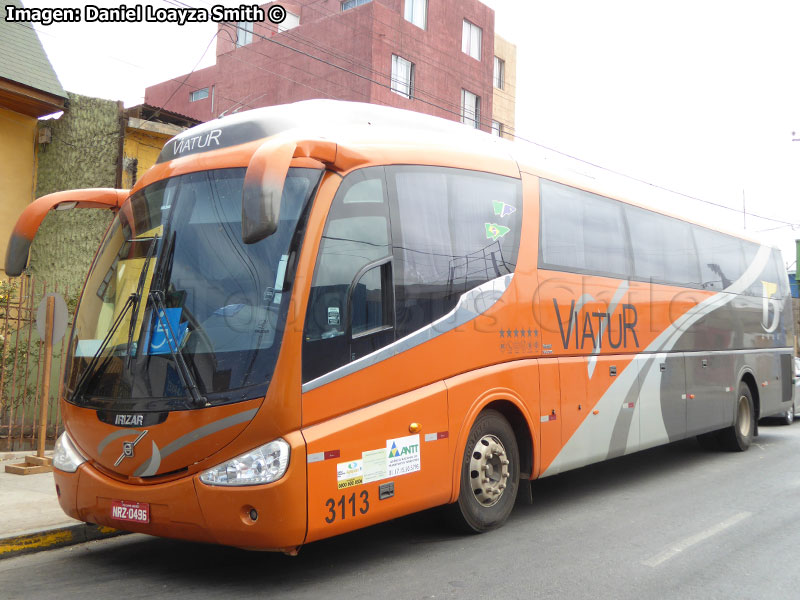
point(138, 512)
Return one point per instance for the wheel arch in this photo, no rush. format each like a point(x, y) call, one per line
point(747, 377)
point(511, 406)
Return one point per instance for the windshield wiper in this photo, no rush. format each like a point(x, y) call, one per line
point(137, 296)
point(172, 343)
point(90, 368)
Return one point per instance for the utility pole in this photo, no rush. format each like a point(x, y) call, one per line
point(744, 212)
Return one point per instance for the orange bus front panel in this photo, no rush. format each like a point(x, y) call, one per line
point(280, 507)
point(188, 509)
point(379, 462)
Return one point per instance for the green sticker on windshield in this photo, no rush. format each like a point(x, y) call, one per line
point(501, 209)
point(495, 231)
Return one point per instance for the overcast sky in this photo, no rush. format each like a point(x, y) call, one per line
point(698, 96)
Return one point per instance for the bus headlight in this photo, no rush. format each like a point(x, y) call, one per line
point(66, 456)
point(262, 465)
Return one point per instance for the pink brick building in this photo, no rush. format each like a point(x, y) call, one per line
point(431, 56)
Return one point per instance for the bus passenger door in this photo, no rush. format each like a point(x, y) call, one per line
point(662, 399)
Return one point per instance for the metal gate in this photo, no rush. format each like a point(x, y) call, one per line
point(22, 353)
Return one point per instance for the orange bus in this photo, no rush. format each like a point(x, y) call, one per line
point(311, 318)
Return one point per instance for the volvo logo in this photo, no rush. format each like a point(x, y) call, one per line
point(127, 448)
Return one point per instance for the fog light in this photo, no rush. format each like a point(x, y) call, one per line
point(253, 514)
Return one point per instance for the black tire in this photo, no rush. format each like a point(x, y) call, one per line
point(709, 441)
point(484, 502)
point(739, 436)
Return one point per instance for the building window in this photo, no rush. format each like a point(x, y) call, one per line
point(471, 40)
point(348, 4)
point(499, 73)
point(290, 22)
point(198, 95)
point(244, 33)
point(470, 109)
point(402, 76)
point(417, 13)
point(497, 128)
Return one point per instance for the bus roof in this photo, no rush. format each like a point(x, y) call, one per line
point(354, 122)
point(362, 124)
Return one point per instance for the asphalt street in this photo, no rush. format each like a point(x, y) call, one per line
point(672, 522)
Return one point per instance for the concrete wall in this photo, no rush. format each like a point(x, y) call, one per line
point(505, 99)
point(17, 171)
point(85, 152)
point(65, 245)
point(140, 151)
point(85, 147)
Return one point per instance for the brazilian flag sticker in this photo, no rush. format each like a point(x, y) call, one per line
point(495, 231)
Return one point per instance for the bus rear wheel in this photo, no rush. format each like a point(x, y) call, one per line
point(739, 436)
point(489, 475)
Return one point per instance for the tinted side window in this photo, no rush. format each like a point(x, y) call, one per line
point(721, 258)
point(783, 277)
point(368, 299)
point(356, 235)
point(663, 248)
point(772, 281)
point(453, 230)
point(582, 232)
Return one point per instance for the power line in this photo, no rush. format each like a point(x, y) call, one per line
point(323, 10)
point(416, 92)
point(486, 122)
point(479, 119)
point(482, 121)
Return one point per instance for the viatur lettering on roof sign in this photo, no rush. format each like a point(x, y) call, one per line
point(208, 141)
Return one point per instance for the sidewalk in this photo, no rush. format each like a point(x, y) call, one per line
point(31, 518)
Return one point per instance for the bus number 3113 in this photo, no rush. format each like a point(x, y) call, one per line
point(331, 504)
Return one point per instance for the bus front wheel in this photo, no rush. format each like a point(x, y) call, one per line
point(489, 475)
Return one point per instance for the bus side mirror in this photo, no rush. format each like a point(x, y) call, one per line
point(263, 187)
point(31, 218)
point(266, 176)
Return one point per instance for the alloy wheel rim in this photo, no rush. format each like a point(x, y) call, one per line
point(488, 468)
point(744, 416)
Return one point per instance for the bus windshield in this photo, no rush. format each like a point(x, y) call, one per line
point(177, 311)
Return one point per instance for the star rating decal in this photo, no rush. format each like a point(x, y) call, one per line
point(518, 340)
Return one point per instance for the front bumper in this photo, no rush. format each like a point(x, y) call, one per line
point(188, 509)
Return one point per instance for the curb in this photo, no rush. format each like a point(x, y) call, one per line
point(55, 538)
